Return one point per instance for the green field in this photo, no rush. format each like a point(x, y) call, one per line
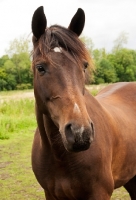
point(17, 126)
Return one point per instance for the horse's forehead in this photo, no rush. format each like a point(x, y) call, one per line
point(54, 56)
point(57, 49)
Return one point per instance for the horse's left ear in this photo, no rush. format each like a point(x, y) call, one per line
point(39, 22)
point(77, 22)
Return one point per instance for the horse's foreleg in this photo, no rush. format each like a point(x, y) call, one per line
point(100, 197)
point(101, 194)
point(130, 186)
point(48, 196)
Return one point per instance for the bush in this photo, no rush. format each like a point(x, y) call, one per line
point(24, 86)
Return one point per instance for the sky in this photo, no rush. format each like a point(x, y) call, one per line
point(105, 19)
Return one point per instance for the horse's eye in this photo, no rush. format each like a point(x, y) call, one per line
point(40, 69)
point(85, 65)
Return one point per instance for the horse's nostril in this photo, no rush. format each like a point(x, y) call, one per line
point(69, 134)
point(68, 127)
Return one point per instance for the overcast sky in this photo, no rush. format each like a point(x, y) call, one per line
point(105, 19)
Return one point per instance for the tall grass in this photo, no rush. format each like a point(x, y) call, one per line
point(16, 115)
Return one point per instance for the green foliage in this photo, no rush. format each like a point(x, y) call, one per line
point(24, 86)
point(15, 68)
point(124, 63)
point(117, 66)
point(105, 72)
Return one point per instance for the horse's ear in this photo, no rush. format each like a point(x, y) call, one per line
point(77, 22)
point(39, 22)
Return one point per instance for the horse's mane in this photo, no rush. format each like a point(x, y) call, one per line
point(58, 36)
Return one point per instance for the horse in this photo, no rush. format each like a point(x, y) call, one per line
point(84, 146)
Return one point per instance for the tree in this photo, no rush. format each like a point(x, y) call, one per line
point(99, 54)
point(3, 77)
point(17, 46)
point(124, 62)
point(19, 51)
point(3, 59)
point(22, 65)
point(120, 41)
point(88, 42)
point(105, 72)
point(15, 68)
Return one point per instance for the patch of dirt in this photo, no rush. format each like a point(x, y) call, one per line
point(23, 95)
point(4, 164)
point(4, 176)
point(17, 96)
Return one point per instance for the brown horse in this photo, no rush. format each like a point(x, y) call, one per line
point(84, 147)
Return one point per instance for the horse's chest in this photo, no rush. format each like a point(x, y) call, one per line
point(64, 188)
point(66, 185)
point(61, 188)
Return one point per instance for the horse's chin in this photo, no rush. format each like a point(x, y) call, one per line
point(77, 147)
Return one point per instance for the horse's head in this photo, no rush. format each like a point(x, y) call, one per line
point(59, 62)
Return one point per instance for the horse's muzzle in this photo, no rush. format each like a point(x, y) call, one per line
point(78, 138)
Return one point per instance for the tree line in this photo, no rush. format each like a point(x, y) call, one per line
point(117, 66)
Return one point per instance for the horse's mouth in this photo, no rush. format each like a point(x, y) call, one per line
point(81, 147)
point(77, 146)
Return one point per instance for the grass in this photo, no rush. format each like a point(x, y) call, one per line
point(17, 181)
point(17, 126)
point(16, 116)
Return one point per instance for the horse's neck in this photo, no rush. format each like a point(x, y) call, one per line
point(97, 111)
point(41, 126)
point(51, 129)
point(94, 108)
point(49, 133)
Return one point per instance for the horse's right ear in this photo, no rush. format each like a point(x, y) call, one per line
point(39, 22)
